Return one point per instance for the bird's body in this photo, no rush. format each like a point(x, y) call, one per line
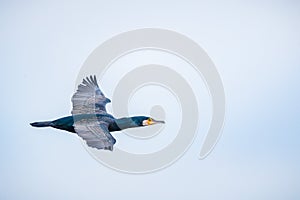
point(90, 120)
point(67, 123)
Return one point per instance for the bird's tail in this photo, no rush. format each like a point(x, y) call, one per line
point(41, 124)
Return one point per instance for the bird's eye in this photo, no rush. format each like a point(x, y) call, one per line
point(150, 120)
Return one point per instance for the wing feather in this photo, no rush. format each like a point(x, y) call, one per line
point(89, 99)
point(95, 132)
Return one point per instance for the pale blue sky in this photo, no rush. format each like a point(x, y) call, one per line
point(256, 48)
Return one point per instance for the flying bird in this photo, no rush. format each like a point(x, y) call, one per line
point(90, 120)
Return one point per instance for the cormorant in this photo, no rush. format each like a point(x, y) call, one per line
point(90, 120)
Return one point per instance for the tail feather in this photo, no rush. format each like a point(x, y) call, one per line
point(41, 124)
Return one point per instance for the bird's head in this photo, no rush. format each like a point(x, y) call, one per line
point(146, 121)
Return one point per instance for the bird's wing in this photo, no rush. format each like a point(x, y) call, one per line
point(88, 99)
point(95, 133)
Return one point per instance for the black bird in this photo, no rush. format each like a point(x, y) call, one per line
point(90, 120)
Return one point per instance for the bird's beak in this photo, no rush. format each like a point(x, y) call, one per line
point(157, 122)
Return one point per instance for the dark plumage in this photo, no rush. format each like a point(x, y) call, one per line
point(91, 121)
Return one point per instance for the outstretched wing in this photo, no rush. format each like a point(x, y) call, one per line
point(88, 99)
point(91, 120)
point(95, 132)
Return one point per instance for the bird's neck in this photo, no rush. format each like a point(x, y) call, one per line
point(123, 123)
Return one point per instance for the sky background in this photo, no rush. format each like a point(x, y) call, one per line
point(255, 47)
